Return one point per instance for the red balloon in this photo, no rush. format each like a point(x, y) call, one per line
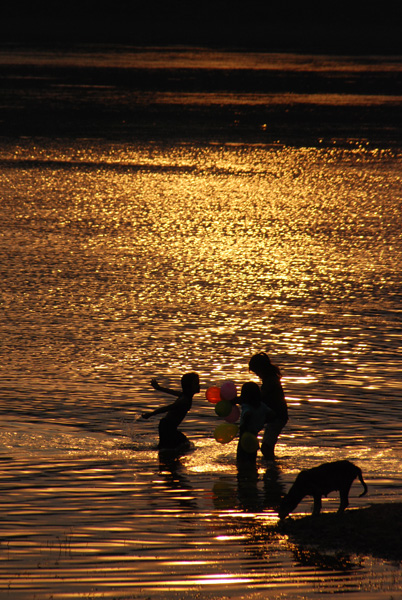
point(213, 395)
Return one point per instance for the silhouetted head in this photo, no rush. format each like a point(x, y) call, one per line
point(293, 497)
point(250, 394)
point(190, 383)
point(285, 507)
point(261, 365)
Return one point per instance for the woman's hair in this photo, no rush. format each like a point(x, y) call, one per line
point(261, 363)
point(250, 393)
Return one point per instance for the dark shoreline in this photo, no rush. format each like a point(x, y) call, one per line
point(371, 530)
point(77, 106)
point(297, 125)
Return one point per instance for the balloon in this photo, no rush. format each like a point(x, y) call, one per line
point(225, 432)
point(213, 394)
point(223, 408)
point(234, 414)
point(228, 390)
point(249, 442)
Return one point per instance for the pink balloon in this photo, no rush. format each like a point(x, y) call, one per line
point(234, 415)
point(228, 390)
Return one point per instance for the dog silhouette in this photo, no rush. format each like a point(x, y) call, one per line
point(320, 481)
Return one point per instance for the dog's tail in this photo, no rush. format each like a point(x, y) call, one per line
point(360, 476)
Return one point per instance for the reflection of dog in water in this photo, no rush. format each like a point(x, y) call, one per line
point(318, 482)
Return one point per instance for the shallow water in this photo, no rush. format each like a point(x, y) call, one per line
point(127, 260)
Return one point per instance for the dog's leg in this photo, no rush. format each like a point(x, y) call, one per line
point(344, 496)
point(317, 505)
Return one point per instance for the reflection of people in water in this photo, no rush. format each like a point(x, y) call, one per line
point(254, 497)
point(274, 397)
point(171, 470)
point(169, 436)
point(254, 415)
point(274, 488)
point(249, 492)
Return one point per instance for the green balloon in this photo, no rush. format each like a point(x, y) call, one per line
point(223, 408)
point(249, 442)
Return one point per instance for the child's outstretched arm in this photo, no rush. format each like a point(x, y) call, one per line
point(161, 409)
point(158, 411)
point(158, 387)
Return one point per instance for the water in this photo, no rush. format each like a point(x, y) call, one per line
point(185, 241)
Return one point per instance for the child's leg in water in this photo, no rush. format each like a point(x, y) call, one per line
point(243, 456)
point(271, 434)
point(170, 436)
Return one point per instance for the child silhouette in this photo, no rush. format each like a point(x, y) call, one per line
point(254, 415)
point(169, 435)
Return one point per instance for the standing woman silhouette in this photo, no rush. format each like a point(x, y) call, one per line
point(273, 396)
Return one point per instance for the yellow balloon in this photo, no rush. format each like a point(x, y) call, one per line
point(225, 432)
point(249, 442)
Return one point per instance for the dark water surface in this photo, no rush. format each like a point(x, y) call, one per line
point(146, 232)
point(200, 95)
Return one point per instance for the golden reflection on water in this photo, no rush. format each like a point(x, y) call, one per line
point(128, 262)
point(126, 542)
